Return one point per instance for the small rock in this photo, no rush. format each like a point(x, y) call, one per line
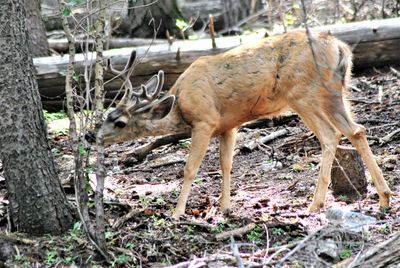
point(328, 248)
point(271, 166)
point(354, 221)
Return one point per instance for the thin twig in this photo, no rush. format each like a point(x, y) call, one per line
point(236, 253)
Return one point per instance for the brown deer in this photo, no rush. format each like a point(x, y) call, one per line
point(307, 74)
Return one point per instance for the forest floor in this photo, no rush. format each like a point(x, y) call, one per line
point(272, 185)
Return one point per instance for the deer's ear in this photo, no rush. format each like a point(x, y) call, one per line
point(156, 110)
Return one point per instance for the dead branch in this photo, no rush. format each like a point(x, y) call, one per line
point(197, 224)
point(121, 221)
point(389, 137)
point(14, 239)
point(142, 151)
point(236, 232)
point(236, 253)
point(250, 146)
point(168, 163)
point(212, 33)
point(395, 72)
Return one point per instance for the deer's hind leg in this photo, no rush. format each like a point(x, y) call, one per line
point(356, 133)
point(226, 147)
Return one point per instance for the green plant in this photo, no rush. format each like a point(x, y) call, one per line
point(83, 151)
point(345, 254)
point(290, 18)
point(277, 231)
point(255, 235)
point(144, 201)
point(120, 259)
point(384, 229)
point(185, 144)
point(297, 168)
point(189, 230)
point(159, 201)
point(69, 260)
point(76, 233)
point(130, 246)
point(51, 257)
point(48, 117)
point(311, 166)
point(219, 228)
point(109, 238)
point(343, 198)
point(296, 264)
point(158, 221)
point(181, 24)
point(174, 193)
point(198, 181)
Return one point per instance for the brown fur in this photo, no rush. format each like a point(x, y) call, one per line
point(217, 94)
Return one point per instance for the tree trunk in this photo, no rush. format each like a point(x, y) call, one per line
point(37, 202)
point(36, 31)
point(140, 14)
point(234, 11)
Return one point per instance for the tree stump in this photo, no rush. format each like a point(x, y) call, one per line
point(348, 175)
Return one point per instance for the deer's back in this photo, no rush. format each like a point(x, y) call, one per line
point(254, 81)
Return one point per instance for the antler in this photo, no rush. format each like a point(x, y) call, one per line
point(135, 98)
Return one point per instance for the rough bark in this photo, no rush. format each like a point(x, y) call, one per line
point(234, 11)
point(99, 107)
point(348, 174)
point(384, 254)
point(36, 30)
point(37, 202)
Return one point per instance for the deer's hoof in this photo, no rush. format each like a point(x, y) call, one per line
point(384, 200)
point(315, 207)
point(177, 214)
point(226, 212)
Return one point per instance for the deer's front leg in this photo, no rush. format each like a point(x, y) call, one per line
point(201, 136)
point(226, 145)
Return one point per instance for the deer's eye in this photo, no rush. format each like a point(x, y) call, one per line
point(119, 124)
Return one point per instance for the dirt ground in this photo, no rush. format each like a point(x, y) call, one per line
point(272, 185)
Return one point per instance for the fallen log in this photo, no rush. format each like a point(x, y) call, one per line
point(374, 43)
point(384, 254)
point(61, 44)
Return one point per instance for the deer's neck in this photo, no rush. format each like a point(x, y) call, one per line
point(171, 124)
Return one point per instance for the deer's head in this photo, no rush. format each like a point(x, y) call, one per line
point(137, 106)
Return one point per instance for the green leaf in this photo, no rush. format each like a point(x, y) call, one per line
point(67, 11)
point(83, 151)
point(181, 24)
point(296, 6)
point(75, 77)
point(290, 19)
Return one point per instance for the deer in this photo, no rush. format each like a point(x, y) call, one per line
point(306, 73)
